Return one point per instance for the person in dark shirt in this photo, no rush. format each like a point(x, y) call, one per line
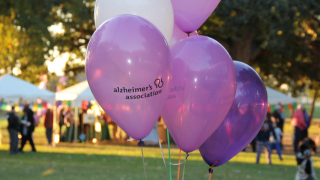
point(277, 114)
point(61, 122)
point(304, 133)
point(27, 128)
point(263, 138)
point(13, 128)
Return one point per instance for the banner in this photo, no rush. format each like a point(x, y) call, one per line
point(88, 118)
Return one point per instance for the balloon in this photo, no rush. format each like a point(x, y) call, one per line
point(179, 35)
point(158, 12)
point(243, 121)
point(189, 15)
point(202, 90)
point(128, 66)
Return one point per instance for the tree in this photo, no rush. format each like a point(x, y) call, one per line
point(29, 43)
point(77, 19)
point(18, 54)
point(24, 26)
point(247, 27)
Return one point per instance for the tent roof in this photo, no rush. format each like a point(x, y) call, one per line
point(13, 88)
point(78, 92)
point(275, 97)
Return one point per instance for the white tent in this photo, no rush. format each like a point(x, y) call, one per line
point(276, 97)
point(77, 93)
point(13, 88)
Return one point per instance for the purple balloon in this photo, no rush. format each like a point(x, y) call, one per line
point(243, 121)
point(128, 67)
point(203, 87)
point(189, 15)
point(178, 35)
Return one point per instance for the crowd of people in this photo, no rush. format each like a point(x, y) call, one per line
point(270, 137)
point(24, 125)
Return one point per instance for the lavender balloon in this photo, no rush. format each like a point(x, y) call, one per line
point(189, 15)
point(128, 67)
point(202, 91)
point(243, 121)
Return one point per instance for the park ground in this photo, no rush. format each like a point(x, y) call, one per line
point(117, 161)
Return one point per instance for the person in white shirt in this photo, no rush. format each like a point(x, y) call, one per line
point(276, 141)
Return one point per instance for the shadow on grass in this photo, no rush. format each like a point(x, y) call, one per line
point(44, 165)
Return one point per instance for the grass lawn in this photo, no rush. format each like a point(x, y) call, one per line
point(114, 162)
point(124, 162)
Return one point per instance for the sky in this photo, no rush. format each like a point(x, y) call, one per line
point(58, 64)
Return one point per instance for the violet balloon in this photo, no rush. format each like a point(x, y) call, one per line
point(202, 90)
point(128, 67)
point(243, 121)
point(189, 15)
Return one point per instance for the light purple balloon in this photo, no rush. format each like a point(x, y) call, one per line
point(202, 90)
point(178, 35)
point(243, 121)
point(128, 67)
point(189, 15)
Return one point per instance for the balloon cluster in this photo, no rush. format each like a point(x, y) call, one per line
point(146, 59)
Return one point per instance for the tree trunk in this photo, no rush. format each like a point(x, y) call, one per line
point(313, 102)
point(241, 49)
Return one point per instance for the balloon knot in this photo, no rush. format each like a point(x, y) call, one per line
point(140, 143)
point(187, 156)
point(211, 167)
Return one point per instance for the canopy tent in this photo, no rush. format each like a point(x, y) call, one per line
point(276, 97)
point(77, 93)
point(14, 89)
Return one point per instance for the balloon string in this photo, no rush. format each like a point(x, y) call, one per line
point(169, 154)
point(144, 167)
point(184, 167)
point(210, 169)
point(187, 155)
point(179, 165)
point(164, 161)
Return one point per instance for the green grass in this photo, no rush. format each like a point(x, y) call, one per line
point(116, 162)
point(124, 162)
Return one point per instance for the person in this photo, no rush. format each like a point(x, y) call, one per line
point(298, 122)
point(307, 119)
point(13, 128)
point(27, 128)
point(280, 119)
point(305, 163)
point(276, 140)
point(263, 139)
point(48, 124)
point(61, 122)
point(68, 115)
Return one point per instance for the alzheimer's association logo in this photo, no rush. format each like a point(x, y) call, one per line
point(158, 83)
point(142, 92)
